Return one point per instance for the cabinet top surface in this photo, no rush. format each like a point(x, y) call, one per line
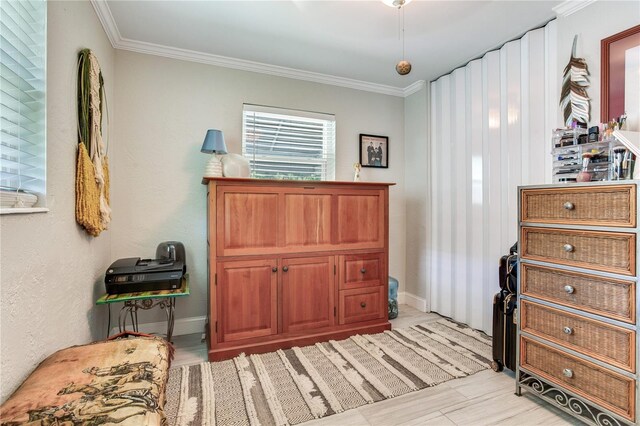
point(582, 184)
point(251, 181)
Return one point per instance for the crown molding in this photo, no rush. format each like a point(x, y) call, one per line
point(108, 23)
point(258, 67)
point(118, 42)
point(569, 7)
point(413, 88)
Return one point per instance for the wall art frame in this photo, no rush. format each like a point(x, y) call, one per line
point(374, 151)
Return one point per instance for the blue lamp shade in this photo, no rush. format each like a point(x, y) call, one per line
point(214, 142)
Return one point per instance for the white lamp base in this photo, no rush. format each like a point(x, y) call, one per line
point(214, 167)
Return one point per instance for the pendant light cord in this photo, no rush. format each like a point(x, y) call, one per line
point(403, 33)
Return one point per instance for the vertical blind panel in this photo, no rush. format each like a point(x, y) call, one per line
point(286, 144)
point(459, 199)
point(486, 140)
point(22, 95)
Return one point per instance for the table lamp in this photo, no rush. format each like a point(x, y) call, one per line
point(214, 144)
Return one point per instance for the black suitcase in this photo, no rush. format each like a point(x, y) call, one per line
point(504, 313)
point(504, 331)
point(508, 270)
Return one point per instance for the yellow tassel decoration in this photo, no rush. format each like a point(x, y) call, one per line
point(92, 173)
point(87, 194)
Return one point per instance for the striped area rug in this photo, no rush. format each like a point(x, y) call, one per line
point(300, 384)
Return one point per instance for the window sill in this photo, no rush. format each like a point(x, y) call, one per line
point(24, 210)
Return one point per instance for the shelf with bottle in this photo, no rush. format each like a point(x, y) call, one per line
point(592, 158)
point(568, 137)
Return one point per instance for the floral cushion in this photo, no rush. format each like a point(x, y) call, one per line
point(118, 381)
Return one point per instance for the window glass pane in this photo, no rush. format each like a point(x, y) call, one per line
point(22, 98)
point(287, 144)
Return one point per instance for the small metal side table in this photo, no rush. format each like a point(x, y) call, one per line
point(164, 299)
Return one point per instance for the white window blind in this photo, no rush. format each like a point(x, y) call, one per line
point(22, 101)
point(289, 144)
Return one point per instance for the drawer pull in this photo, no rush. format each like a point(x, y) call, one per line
point(567, 330)
point(569, 206)
point(285, 268)
point(274, 269)
point(364, 271)
point(569, 289)
point(567, 372)
point(363, 304)
point(568, 248)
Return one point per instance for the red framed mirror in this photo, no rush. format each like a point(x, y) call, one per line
point(616, 51)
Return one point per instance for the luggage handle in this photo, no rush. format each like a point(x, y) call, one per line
point(509, 271)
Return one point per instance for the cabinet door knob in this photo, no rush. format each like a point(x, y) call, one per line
point(569, 205)
point(285, 268)
point(567, 372)
point(569, 289)
point(274, 269)
point(568, 248)
point(364, 271)
point(363, 304)
point(567, 330)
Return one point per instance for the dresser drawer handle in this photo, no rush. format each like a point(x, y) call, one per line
point(363, 304)
point(567, 372)
point(569, 289)
point(568, 248)
point(569, 205)
point(567, 330)
point(364, 271)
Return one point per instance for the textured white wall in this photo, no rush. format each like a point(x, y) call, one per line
point(165, 106)
point(417, 188)
point(52, 272)
point(487, 137)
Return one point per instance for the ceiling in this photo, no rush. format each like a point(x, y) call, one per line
point(356, 40)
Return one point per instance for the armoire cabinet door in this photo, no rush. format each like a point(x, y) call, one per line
point(247, 220)
point(306, 224)
point(307, 287)
point(247, 299)
point(361, 219)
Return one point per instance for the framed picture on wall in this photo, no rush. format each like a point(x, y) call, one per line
point(620, 82)
point(374, 151)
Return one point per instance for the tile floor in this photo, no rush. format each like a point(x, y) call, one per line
point(485, 398)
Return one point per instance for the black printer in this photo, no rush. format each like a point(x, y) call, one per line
point(133, 275)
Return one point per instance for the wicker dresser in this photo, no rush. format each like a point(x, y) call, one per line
point(577, 320)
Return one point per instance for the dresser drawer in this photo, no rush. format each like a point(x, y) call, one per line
point(598, 295)
point(361, 270)
point(362, 304)
point(604, 251)
point(608, 343)
point(595, 205)
point(599, 385)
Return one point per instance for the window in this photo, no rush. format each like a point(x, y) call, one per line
point(22, 102)
point(289, 144)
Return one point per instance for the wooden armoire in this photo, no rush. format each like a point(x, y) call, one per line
point(293, 263)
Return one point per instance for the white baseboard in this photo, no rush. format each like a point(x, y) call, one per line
point(181, 326)
point(193, 325)
point(412, 300)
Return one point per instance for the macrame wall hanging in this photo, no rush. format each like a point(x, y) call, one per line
point(92, 169)
point(574, 99)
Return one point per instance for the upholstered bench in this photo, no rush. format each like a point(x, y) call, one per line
point(116, 381)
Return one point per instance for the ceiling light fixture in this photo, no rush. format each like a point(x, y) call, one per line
point(403, 67)
point(396, 3)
